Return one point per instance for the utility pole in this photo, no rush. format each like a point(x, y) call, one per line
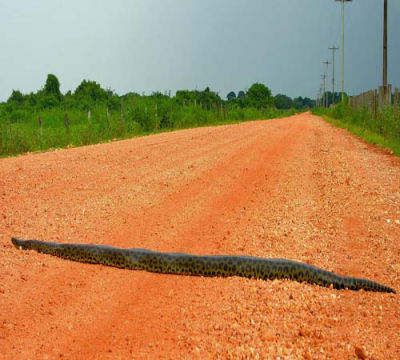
point(324, 93)
point(333, 48)
point(326, 76)
point(385, 67)
point(343, 1)
point(321, 96)
point(319, 102)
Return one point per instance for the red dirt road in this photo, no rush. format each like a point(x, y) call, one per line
point(295, 188)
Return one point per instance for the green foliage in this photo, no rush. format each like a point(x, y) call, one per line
point(241, 94)
point(303, 103)
point(90, 93)
point(231, 96)
point(259, 96)
point(52, 87)
point(47, 101)
point(299, 103)
point(113, 116)
point(382, 129)
point(16, 97)
point(283, 101)
point(206, 98)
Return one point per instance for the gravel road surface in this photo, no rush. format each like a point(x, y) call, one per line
point(295, 188)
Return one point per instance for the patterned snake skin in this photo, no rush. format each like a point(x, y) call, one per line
point(186, 264)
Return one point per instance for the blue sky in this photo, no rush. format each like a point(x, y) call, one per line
point(167, 45)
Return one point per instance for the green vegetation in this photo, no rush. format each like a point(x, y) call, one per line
point(299, 103)
point(383, 129)
point(48, 119)
point(259, 96)
point(329, 96)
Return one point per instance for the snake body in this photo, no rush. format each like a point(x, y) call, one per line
point(208, 265)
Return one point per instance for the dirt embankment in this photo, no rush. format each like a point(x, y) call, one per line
point(294, 188)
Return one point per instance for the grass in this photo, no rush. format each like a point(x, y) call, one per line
point(382, 130)
point(20, 133)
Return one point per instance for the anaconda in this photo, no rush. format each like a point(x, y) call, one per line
point(201, 265)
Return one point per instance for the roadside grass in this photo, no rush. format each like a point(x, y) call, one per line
point(383, 130)
point(22, 134)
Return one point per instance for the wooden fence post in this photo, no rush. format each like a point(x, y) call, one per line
point(40, 126)
point(375, 103)
point(66, 122)
point(89, 115)
point(381, 96)
point(389, 95)
point(396, 102)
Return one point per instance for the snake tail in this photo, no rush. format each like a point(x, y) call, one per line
point(200, 265)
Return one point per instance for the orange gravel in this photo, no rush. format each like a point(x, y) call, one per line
point(296, 188)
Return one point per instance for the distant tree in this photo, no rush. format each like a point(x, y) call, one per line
point(52, 86)
point(231, 96)
point(91, 91)
point(159, 95)
point(110, 92)
point(241, 94)
point(206, 98)
point(308, 103)
point(259, 96)
point(16, 97)
point(32, 99)
point(303, 103)
point(283, 101)
point(298, 103)
point(48, 101)
point(185, 96)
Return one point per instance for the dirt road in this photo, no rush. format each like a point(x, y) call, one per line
point(294, 188)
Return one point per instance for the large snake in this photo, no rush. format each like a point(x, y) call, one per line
point(210, 265)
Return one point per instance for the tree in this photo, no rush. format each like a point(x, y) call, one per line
point(241, 94)
point(231, 96)
point(283, 101)
point(298, 103)
point(52, 86)
point(16, 97)
point(90, 93)
point(259, 96)
point(308, 103)
point(206, 98)
point(48, 101)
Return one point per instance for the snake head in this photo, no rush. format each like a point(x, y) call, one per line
point(17, 242)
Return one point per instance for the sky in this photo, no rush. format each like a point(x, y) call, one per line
point(167, 45)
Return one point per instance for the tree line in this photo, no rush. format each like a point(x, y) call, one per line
point(90, 94)
point(260, 94)
point(91, 114)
